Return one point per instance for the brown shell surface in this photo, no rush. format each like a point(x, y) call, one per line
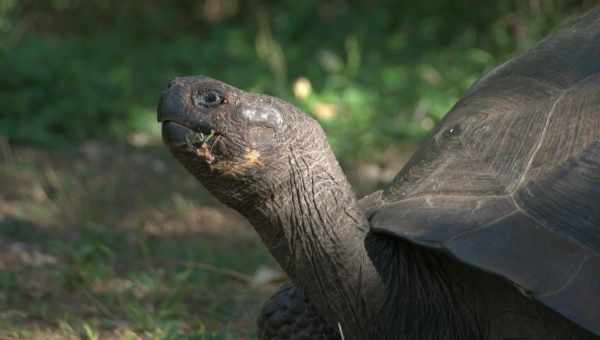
point(510, 180)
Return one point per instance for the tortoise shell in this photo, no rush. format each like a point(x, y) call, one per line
point(509, 182)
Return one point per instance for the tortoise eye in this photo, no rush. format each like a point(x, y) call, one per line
point(207, 98)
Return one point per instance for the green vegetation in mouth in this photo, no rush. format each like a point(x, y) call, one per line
point(195, 140)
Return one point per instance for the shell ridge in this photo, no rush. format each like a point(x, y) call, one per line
point(487, 225)
point(569, 280)
point(523, 179)
point(540, 142)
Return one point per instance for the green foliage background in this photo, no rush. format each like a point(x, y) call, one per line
point(385, 71)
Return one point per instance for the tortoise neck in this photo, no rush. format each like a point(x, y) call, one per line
point(313, 226)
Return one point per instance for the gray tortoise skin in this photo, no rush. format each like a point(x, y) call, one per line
point(490, 232)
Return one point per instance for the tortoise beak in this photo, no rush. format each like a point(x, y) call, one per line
point(178, 121)
point(174, 134)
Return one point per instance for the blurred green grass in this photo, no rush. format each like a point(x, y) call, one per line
point(373, 73)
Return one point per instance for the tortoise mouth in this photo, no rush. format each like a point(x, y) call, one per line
point(199, 139)
point(176, 132)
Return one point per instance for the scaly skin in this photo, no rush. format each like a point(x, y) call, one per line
point(289, 315)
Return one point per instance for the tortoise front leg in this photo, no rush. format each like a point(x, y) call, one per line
point(288, 315)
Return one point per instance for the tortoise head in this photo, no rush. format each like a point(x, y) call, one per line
point(272, 163)
point(235, 142)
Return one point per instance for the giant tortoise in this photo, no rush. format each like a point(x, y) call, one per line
point(491, 231)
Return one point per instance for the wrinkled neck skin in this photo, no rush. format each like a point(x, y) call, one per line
point(321, 241)
point(308, 216)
